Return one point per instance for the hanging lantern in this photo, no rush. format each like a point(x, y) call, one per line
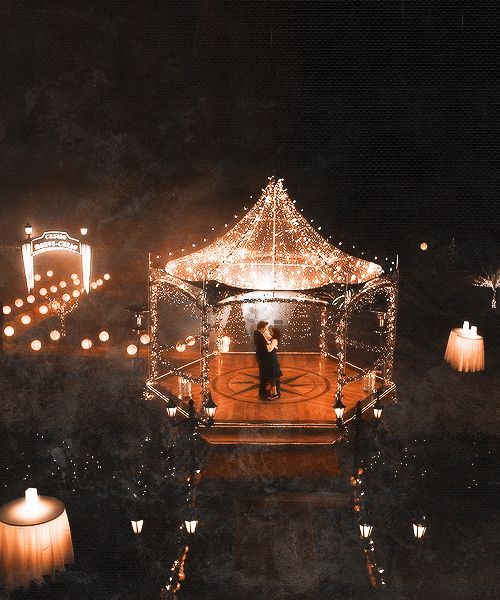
point(30, 299)
point(131, 349)
point(86, 344)
point(36, 345)
point(180, 346)
point(104, 336)
point(54, 335)
point(25, 319)
point(9, 331)
point(171, 407)
point(191, 525)
point(378, 407)
point(190, 340)
point(137, 526)
point(339, 407)
point(7, 310)
point(419, 528)
point(145, 339)
point(43, 310)
point(365, 530)
point(210, 407)
point(19, 303)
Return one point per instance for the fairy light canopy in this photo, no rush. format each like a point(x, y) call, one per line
point(272, 248)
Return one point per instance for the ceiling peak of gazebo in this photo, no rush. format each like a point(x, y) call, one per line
point(273, 247)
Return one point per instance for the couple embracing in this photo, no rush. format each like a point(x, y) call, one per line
point(266, 341)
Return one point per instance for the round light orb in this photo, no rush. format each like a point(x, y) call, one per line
point(99, 282)
point(76, 293)
point(66, 297)
point(30, 299)
point(62, 284)
point(104, 336)
point(145, 339)
point(55, 305)
point(423, 246)
point(74, 275)
point(43, 310)
point(19, 303)
point(180, 346)
point(84, 230)
point(53, 288)
point(43, 291)
point(37, 277)
point(9, 331)
point(50, 273)
point(106, 276)
point(55, 335)
point(93, 285)
point(25, 319)
point(7, 310)
point(86, 344)
point(131, 349)
point(36, 345)
point(76, 281)
point(191, 340)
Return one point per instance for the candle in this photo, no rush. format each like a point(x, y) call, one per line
point(465, 326)
point(31, 498)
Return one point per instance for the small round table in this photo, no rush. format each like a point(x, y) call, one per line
point(33, 543)
point(465, 352)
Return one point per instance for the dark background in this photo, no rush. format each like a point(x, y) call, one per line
point(142, 118)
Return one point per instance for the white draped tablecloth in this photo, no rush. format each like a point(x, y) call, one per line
point(33, 544)
point(465, 352)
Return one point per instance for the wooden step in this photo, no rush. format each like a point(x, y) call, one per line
point(271, 434)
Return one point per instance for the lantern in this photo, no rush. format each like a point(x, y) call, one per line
point(190, 340)
point(74, 276)
point(18, 302)
point(180, 346)
point(66, 297)
point(53, 288)
point(378, 408)
point(365, 530)
point(30, 299)
point(25, 319)
point(62, 284)
point(210, 407)
point(131, 349)
point(54, 335)
point(83, 230)
point(191, 525)
point(419, 528)
point(43, 291)
point(104, 336)
point(171, 407)
point(86, 344)
point(106, 276)
point(36, 345)
point(137, 526)
point(37, 277)
point(339, 407)
point(9, 331)
point(28, 229)
point(43, 310)
point(75, 293)
point(99, 282)
point(50, 273)
point(145, 339)
point(7, 310)
point(93, 285)
point(76, 281)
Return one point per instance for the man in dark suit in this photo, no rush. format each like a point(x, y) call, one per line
point(262, 356)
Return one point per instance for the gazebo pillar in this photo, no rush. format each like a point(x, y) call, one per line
point(323, 347)
point(204, 346)
point(154, 291)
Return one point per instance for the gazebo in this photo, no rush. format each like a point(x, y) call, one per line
point(273, 263)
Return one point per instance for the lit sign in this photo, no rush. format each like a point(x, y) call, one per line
point(53, 241)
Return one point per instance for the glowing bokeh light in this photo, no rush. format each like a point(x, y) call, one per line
point(37, 277)
point(74, 275)
point(180, 346)
point(53, 288)
point(9, 331)
point(62, 284)
point(36, 345)
point(106, 276)
point(43, 291)
point(104, 336)
point(145, 339)
point(76, 281)
point(25, 319)
point(18, 302)
point(423, 246)
point(93, 285)
point(76, 293)
point(55, 335)
point(43, 310)
point(131, 349)
point(86, 344)
point(99, 282)
point(7, 310)
point(30, 299)
point(50, 273)
point(66, 297)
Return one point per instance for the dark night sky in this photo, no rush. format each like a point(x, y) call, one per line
point(157, 120)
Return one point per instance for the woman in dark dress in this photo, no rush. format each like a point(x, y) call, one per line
point(274, 370)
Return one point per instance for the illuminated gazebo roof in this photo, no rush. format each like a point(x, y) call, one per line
point(273, 247)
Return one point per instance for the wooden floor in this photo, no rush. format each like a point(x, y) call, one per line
point(308, 388)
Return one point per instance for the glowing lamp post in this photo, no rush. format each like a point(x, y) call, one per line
point(171, 407)
point(365, 530)
point(339, 408)
point(419, 528)
point(377, 409)
point(137, 526)
point(28, 230)
point(210, 407)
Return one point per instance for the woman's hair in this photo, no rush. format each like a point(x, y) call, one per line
point(276, 333)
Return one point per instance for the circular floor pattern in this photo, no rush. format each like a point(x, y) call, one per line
point(297, 385)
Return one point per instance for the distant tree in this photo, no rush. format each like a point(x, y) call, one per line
point(491, 279)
